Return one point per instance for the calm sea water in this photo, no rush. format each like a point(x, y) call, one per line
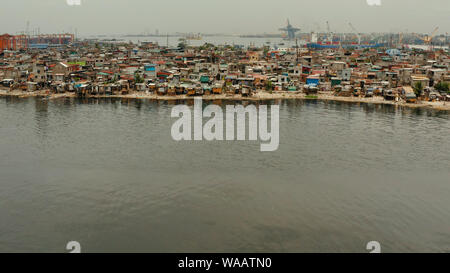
point(107, 173)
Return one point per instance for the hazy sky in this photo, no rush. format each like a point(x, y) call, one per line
point(224, 16)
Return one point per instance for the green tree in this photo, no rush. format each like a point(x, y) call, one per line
point(442, 86)
point(138, 78)
point(269, 86)
point(265, 51)
point(418, 88)
point(182, 45)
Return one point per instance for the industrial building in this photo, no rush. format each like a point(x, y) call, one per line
point(10, 42)
point(18, 42)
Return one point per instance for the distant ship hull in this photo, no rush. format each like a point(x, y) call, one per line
point(194, 37)
point(334, 45)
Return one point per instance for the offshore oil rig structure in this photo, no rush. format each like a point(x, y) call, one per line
point(40, 41)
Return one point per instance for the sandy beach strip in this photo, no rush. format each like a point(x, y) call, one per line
point(257, 96)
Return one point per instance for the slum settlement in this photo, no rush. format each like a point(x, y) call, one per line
point(148, 70)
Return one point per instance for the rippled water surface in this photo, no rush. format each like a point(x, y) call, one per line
point(108, 174)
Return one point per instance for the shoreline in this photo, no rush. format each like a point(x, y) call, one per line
point(257, 96)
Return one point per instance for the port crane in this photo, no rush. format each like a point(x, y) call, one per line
point(400, 39)
point(428, 38)
point(330, 34)
point(356, 32)
point(290, 30)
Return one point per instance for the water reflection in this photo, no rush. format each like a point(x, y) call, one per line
point(41, 117)
point(107, 172)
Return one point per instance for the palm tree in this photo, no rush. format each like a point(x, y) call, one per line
point(418, 88)
point(269, 86)
point(442, 86)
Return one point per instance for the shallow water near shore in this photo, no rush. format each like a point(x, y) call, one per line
point(106, 173)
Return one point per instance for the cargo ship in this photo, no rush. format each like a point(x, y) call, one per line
point(325, 45)
point(194, 37)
